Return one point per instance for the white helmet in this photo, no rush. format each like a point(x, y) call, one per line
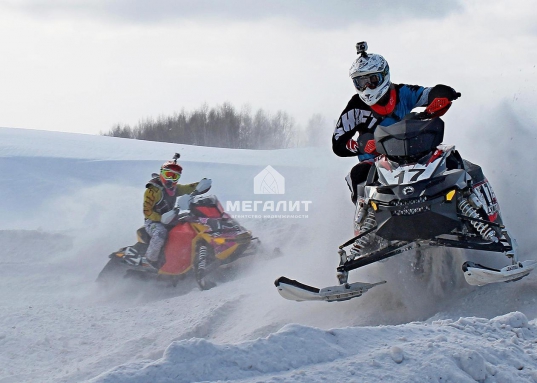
point(370, 74)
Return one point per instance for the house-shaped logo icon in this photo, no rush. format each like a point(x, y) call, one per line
point(269, 181)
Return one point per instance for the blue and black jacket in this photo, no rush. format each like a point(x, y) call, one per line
point(360, 118)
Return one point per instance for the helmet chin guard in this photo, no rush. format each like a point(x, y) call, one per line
point(372, 96)
point(372, 66)
point(169, 186)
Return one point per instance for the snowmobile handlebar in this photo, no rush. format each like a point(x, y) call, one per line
point(182, 203)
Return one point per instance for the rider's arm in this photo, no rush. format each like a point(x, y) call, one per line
point(151, 196)
point(343, 145)
point(356, 117)
point(413, 96)
point(410, 97)
point(186, 189)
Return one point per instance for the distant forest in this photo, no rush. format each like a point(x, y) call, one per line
point(224, 126)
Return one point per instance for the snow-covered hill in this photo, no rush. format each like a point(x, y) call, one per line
point(69, 200)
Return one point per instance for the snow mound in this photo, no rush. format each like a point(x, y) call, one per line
point(467, 350)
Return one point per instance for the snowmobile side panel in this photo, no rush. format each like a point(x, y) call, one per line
point(296, 291)
point(178, 250)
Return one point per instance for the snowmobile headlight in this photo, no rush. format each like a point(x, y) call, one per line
point(374, 206)
point(450, 195)
point(219, 241)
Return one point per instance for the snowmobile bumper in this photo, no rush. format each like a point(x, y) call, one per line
point(416, 219)
point(479, 275)
point(296, 291)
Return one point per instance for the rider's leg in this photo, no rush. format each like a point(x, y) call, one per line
point(357, 175)
point(158, 233)
point(356, 180)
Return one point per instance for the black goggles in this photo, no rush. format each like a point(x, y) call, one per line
point(370, 81)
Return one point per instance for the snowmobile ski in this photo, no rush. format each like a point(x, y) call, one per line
point(296, 291)
point(479, 275)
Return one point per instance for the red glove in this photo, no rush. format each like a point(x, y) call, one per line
point(352, 146)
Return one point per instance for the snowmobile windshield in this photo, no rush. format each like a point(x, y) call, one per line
point(370, 81)
point(407, 141)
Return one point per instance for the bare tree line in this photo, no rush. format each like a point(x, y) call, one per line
point(223, 126)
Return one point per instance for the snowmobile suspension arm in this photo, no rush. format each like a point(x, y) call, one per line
point(496, 247)
point(351, 241)
point(399, 248)
point(466, 218)
point(387, 252)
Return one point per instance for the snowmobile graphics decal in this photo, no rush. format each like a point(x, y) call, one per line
point(409, 173)
point(370, 64)
point(486, 195)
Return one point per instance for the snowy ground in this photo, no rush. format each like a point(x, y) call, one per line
point(69, 200)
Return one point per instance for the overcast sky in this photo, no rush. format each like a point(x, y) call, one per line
point(83, 66)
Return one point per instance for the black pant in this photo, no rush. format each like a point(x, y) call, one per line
point(357, 175)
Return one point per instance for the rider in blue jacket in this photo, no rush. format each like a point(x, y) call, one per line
point(377, 102)
point(380, 102)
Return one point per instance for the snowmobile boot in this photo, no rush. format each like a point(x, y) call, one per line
point(154, 264)
point(364, 219)
point(151, 265)
point(359, 214)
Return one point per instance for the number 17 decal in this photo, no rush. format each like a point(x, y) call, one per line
point(413, 174)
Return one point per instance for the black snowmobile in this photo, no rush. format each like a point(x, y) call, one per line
point(419, 194)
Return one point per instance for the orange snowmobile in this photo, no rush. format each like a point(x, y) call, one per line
point(202, 237)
